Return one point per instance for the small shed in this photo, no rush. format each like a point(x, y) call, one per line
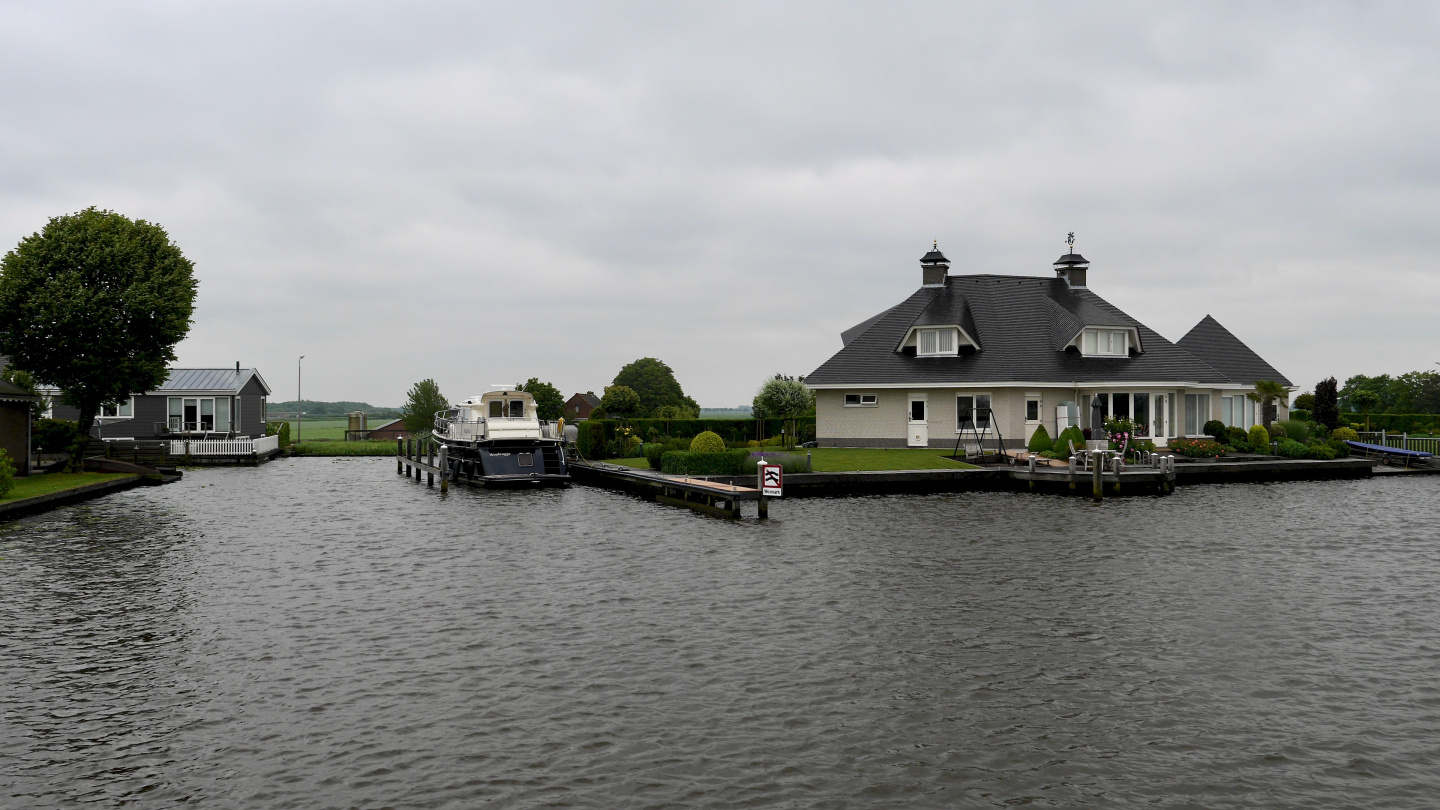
point(15, 406)
point(390, 431)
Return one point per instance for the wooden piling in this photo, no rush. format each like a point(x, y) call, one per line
point(444, 469)
point(1097, 472)
point(399, 456)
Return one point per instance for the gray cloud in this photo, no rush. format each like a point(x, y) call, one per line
point(485, 193)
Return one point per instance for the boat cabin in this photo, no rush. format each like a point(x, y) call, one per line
point(492, 416)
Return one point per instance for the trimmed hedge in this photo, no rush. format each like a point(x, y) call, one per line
point(1040, 440)
point(281, 429)
point(7, 474)
point(683, 462)
point(1395, 422)
point(597, 436)
point(1197, 448)
point(1259, 440)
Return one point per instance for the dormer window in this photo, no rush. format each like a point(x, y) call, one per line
point(935, 342)
point(1105, 343)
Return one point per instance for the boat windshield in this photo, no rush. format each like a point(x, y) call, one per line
point(517, 409)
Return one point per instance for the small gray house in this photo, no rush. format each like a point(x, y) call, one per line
point(192, 402)
point(998, 356)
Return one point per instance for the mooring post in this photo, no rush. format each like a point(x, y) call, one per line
point(764, 502)
point(1097, 485)
point(764, 507)
point(444, 468)
point(399, 454)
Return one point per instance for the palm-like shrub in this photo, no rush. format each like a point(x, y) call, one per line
point(707, 442)
point(1259, 439)
point(1267, 392)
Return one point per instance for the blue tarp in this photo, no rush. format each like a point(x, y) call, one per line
point(1395, 451)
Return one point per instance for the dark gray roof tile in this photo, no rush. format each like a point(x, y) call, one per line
point(1216, 345)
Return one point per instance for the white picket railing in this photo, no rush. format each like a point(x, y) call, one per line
point(224, 447)
point(1403, 441)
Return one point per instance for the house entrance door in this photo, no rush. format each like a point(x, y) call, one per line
point(1160, 424)
point(917, 432)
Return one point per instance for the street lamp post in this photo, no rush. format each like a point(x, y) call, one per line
point(299, 399)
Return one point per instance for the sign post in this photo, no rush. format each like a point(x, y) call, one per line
point(771, 480)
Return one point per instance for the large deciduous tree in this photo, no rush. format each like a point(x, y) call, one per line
point(94, 304)
point(421, 404)
point(656, 385)
point(549, 403)
point(620, 400)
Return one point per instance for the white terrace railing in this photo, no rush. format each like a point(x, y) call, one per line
point(1403, 441)
point(224, 447)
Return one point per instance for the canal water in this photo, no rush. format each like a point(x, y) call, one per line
point(322, 633)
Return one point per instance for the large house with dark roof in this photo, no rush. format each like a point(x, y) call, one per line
point(998, 356)
point(192, 402)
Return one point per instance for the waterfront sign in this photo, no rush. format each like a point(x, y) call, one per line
point(770, 480)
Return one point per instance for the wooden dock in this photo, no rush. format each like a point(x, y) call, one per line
point(722, 498)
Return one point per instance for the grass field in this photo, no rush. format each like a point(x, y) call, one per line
point(32, 485)
point(339, 448)
point(333, 429)
point(852, 459)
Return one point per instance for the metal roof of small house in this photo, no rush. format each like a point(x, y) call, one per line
point(1218, 347)
point(209, 379)
point(1023, 325)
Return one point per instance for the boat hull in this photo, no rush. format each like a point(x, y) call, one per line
point(509, 462)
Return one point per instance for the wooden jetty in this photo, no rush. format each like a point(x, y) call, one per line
point(706, 495)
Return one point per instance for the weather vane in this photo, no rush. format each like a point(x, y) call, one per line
point(1070, 241)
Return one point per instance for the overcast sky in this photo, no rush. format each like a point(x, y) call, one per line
point(482, 194)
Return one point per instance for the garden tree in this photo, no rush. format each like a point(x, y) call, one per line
point(1364, 400)
point(1305, 401)
point(670, 412)
point(94, 304)
point(549, 404)
point(656, 385)
point(1266, 393)
point(784, 397)
point(1412, 392)
point(420, 406)
point(620, 401)
point(1327, 404)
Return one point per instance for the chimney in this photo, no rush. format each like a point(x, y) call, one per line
point(1072, 267)
point(237, 366)
point(934, 267)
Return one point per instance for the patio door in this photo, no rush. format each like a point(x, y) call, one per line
point(917, 433)
point(1160, 424)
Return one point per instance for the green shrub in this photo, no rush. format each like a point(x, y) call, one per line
point(1295, 429)
point(1142, 444)
point(1344, 434)
point(1321, 451)
point(1259, 439)
point(1301, 414)
point(1215, 429)
point(1277, 432)
point(1197, 448)
point(725, 462)
point(7, 474)
point(656, 450)
point(1040, 440)
point(1342, 450)
point(281, 429)
point(329, 448)
point(707, 442)
point(789, 462)
point(55, 435)
point(1070, 434)
point(1289, 448)
point(1235, 434)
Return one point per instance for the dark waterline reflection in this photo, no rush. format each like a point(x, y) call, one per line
point(323, 633)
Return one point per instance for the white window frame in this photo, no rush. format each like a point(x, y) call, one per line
point(123, 410)
point(1089, 342)
point(861, 400)
point(939, 335)
point(199, 414)
point(974, 396)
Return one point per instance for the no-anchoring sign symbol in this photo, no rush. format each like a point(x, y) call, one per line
point(770, 480)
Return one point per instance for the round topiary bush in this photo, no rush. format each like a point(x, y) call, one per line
point(707, 442)
point(1278, 431)
point(1258, 439)
point(1344, 434)
point(1215, 429)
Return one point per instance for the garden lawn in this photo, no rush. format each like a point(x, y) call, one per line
point(32, 485)
point(852, 459)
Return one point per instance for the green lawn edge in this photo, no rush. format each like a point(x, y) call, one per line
point(33, 486)
point(855, 459)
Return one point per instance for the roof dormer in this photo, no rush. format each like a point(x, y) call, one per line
point(1107, 341)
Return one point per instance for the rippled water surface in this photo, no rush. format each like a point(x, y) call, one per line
point(323, 633)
